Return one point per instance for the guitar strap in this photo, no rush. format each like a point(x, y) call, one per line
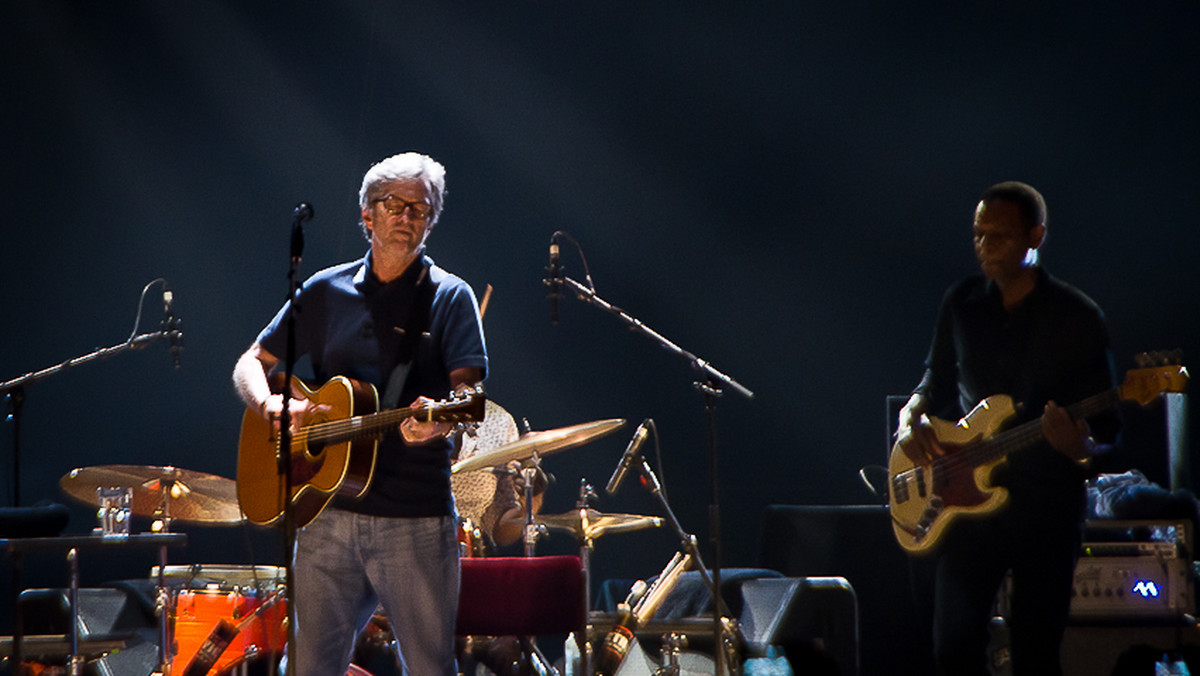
point(415, 325)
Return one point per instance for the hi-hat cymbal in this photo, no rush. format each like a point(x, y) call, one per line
point(543, 443)
point(593, 524)
point(192, 496)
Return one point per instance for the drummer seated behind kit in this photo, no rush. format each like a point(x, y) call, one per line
point(491, 504)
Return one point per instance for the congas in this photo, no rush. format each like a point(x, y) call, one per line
point(239, 607)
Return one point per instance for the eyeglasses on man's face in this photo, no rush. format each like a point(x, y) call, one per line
point(417, 211)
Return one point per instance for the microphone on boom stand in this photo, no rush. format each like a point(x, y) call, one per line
point(553, 281)
point(172, 326)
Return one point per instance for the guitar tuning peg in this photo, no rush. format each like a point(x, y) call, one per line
point(1143, 360)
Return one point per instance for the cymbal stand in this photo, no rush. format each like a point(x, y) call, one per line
point(710, 386)
point(533, 531)
point(164, 604)
point(586, 544)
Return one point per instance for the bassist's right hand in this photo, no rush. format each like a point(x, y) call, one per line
point(914, 434)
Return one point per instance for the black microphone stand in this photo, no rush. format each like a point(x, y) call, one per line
point(14, 390)
point(302, 213)
point(710, 386)
point(14, 393)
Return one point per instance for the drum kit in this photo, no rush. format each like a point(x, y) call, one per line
point(222, 618)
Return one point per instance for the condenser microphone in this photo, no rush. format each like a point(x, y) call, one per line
point(630, 457)
point(553, 282)
point(171, 326)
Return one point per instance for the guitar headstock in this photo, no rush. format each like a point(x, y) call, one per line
point(466, 406)
point(1157, 373)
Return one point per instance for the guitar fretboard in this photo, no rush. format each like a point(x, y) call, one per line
point(1029, 433)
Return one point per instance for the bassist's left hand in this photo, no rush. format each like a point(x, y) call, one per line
point(1072, 438)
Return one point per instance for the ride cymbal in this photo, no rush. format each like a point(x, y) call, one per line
point(189, 495)
point(542, 443)
point(593, 523)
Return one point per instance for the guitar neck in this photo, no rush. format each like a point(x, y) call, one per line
point(355, 427)
point(1029, 433)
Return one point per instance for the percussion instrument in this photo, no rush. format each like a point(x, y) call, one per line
point(166, 492)
point(591, 524)
point(540, 443)
point(213, 599)
point(197, 612)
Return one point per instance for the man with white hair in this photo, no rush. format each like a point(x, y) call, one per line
point(399, 322)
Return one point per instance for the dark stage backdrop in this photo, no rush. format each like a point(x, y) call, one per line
point(784, 189)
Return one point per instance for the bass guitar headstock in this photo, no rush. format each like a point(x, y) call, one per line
point(1157, 373)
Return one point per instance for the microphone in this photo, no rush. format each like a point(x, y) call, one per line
point(302, 213)
point(553, 282)
point(171, 325)
point(630, 457)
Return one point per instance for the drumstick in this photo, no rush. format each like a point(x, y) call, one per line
point(487, 296)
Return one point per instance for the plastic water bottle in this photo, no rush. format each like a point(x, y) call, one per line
point(774, 664)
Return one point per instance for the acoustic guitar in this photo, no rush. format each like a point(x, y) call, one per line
point(926, 496)
point(333, 450)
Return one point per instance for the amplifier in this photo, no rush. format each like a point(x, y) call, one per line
point(1132, 587)
point(1134, 569)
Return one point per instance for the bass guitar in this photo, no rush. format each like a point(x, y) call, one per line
point(926, 496)
point(332, 451)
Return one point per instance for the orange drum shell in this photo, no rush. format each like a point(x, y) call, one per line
point(197, 612)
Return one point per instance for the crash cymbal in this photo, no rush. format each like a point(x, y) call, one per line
point(543, 443)
point(593, 524)
point(192, 496)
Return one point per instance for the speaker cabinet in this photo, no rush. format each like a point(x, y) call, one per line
point(814, 619)
point(894, 592)
point(103, 614)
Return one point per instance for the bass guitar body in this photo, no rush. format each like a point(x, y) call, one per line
point(320, 468)
point(927, 496)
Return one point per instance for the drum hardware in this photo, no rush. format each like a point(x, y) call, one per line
point(223, 577)
point(673, 645)
point(541, 443)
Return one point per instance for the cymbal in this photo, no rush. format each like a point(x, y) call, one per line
point(596, 523)
point(192, 496)
point(542, 443)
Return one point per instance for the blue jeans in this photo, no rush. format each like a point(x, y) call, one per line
point(347, 564)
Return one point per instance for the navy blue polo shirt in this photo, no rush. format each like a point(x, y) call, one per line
point(347, 323)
